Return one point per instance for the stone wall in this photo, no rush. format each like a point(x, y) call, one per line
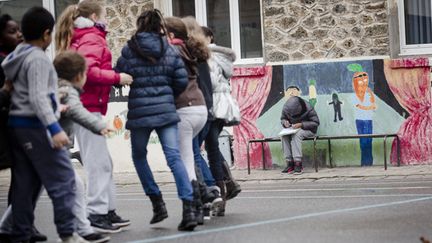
point(318, 29)
point(122, 16)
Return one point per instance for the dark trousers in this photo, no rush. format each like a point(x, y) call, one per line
point(36, 163)
point(365, 127)
point(212, 147)
point(201, 166)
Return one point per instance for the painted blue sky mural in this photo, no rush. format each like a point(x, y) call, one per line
point(330, 77)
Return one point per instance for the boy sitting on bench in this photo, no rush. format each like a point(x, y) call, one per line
point(297, 114)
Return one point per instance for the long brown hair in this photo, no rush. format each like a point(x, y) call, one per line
point(65, 23)
point(196, 40)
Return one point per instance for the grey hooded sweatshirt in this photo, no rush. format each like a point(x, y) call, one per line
point(34, 101)
point(296, 110)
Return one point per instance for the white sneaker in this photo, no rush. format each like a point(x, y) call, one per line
point(75, 238)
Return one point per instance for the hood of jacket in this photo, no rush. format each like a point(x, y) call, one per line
point(297, 108)
point(13, 62)
point(147, 45)
point(224, 57)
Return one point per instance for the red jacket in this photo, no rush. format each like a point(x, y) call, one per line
point(91, 43)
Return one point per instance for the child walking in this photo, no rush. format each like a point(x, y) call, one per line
point(35, 131)
point(71, 71)
point(159, 77)
point(190, 104)
point(82, 28)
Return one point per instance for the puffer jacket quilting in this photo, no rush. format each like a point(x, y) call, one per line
point(156, 85)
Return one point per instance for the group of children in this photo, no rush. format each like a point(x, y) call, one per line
point(177, 78)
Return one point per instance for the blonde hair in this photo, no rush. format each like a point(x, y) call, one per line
point(65, 23)
point(196, 39)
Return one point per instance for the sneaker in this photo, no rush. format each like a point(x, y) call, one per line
point(207, 211)
point(298, 168)
point(290, 168)
point(96, 238)
point(116, 220)
point(75, 238)
point(102, 224)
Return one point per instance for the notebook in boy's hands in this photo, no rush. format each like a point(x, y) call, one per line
point(288, 131)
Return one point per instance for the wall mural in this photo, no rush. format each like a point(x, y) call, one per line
point(357, 97)
point(349, 97)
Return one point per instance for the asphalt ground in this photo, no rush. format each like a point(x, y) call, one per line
point(382, 210)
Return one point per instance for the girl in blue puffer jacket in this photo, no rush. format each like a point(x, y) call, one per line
point(159, 76)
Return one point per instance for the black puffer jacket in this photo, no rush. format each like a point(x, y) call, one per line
point(296, 110)
point(159, 76)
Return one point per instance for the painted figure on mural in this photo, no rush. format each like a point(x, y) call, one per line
point(292, 91)
point(337, 107)
point(312, 92)
point(364, 100)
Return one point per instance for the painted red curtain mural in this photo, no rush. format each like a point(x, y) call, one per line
point(250, 86)
point(409, 80)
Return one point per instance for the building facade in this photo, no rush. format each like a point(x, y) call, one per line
point(363, 64)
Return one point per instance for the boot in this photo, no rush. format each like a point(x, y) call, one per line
point(159, 210)
point(232, 187)
point(199, 212)
point(219, 209)
point(188, 222)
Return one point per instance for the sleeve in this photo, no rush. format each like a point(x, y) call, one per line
point(180, 78)
point(40, 97)
point(92, 48)
point(313, 121)
point(78, 114)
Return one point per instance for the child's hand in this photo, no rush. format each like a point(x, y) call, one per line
point(297, 126)
point(63, 108)
point(106, 131)
point(8, 87)
point(125, 79)
point(286, 123)
point(60, 140)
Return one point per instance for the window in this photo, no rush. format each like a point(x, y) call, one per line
point(415, 22)
point(235, 23)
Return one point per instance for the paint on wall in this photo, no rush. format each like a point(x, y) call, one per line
point(409, 80)
point(251, 87)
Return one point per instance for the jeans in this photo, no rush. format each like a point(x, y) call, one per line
point(199, 160)
point(212, 146)
point(365, 127)
point(168, 137)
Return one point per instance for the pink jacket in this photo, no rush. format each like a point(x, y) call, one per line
point(91, 43)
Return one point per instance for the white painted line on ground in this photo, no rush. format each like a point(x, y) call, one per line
point(281, 220)
point(279, 197)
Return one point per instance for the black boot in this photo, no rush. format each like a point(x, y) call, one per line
point(199, 212)
point(188, 222)
point(232, 187)
point(159, 210)
point(219, 210)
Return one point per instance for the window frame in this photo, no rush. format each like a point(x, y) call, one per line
point(201, 17)
point(409, 49)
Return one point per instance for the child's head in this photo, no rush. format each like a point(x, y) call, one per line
point(197, 38)
point(87, 9)
point(71, 66)
point(176, 28)
point(151, 21)
point(208, 33)
point(37, 25)
point(10, 33)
